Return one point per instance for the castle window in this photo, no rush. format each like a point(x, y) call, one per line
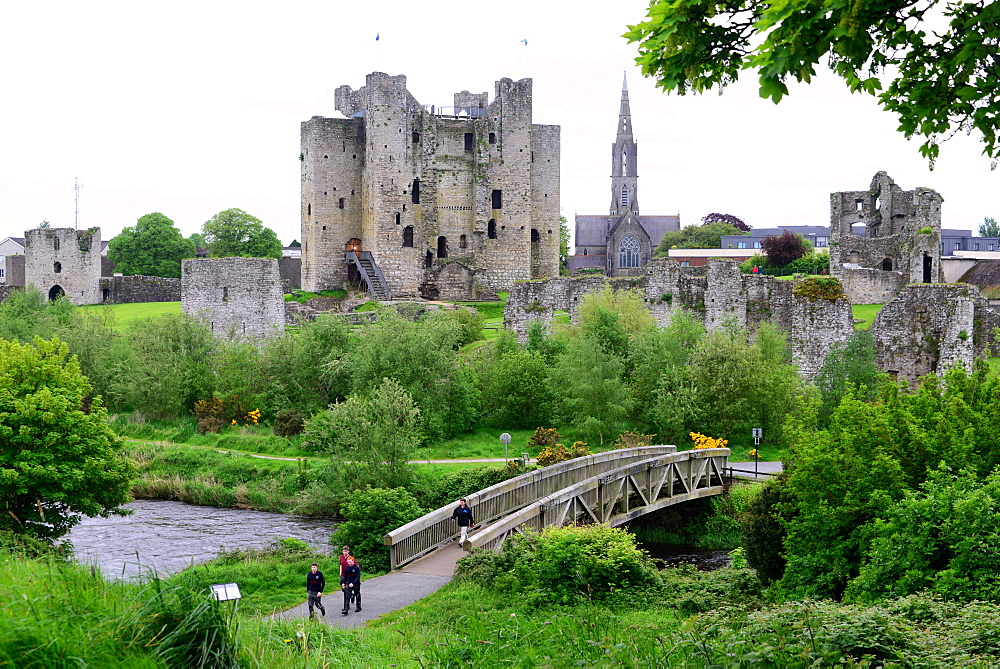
point(860, 204)
point(415, 191)
point(493, 138)
point(461, 242)
point(397, 218)
point(340, 203)
point(628, 252)
point(468, 141)
point(309, 209)
point(429, 259)
point(225, 293)
point(55, 244)
point(585, 252)
point(442, 247)
point(408, 236)
point(497, 199)
point(416, 137)
point(534, 236)
point(325, 156)
point(532, 156)
point(57, 268)
point(887, 265)
point(624, 197)
point(345, 147)
point(491, 229)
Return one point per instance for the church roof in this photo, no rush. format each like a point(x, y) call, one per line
point(593, 230)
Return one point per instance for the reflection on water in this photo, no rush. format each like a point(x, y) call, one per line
point(671, 555)
point(169, 536)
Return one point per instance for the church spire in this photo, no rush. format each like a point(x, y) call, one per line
point(624, 175)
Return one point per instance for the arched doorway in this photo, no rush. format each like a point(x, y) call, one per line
point(353, 275)
point(56, 291)
point(887, 265)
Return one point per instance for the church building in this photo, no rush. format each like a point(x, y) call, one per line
point(621, 242)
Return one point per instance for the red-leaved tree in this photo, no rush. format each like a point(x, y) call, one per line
point(728, 219)
point(783, 249)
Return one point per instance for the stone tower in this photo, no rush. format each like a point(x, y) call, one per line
point(624, 170)
point(64, 261)
point(419, 200)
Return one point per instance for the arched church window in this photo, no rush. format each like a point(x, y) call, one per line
point(624, 163)
point(628, 252)
point(624, 197)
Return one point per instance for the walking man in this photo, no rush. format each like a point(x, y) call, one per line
point(463, 515)
point(352, 585)
point(345, 553)
point(315, 584)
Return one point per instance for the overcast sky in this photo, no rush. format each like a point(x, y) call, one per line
point(189, 108)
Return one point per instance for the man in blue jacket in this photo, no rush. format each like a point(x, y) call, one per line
point(463, 514)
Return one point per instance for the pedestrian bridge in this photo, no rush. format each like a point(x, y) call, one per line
point(612, 487)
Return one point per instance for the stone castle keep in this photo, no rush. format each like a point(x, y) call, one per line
point(411, 200)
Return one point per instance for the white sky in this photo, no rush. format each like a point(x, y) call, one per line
point(189, 108)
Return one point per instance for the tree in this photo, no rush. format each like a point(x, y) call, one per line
point(590, 390)
point(848, 364)
point(708, 236)
point(989, 227)
point(368, 516)
point(153, 246)
point(234, 232)
point(729, 219)
point(942, 81)
point(58, 457)
point(44, 224)
point(783, 249)
point(373, 436)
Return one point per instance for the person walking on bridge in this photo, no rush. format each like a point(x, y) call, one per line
point(463, 514)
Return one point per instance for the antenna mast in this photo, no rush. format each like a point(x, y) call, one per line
point(76, 189)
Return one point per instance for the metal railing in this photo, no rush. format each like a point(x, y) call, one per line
point(436, 528)
point(607, 497)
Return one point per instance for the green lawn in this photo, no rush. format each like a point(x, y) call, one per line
point(864, 313)
point(133, 311)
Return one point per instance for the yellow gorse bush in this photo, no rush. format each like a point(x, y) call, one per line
point(702, 441)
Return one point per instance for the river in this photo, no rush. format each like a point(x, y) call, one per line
point(170, 536)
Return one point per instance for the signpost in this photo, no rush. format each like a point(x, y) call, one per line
point(758, 434)
point(505, 440)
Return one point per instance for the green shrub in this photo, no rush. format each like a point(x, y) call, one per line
point(691, 591)
point(564, 565)
point(762, 532)
point(369, 515)
point(289, 422)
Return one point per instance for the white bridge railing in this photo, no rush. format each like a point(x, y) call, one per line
point(617, 496)
point(436, 528)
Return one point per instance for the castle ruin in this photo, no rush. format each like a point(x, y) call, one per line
point(237, 297)
point(64, 261)
point(901, 242)
point(412, 200)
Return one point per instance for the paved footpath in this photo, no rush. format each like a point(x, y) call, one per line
point(384, 594)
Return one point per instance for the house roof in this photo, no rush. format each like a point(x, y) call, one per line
point(16, 240)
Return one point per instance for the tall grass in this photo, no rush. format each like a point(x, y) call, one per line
point(184, 430)
point(211, 478)
point(61, 615)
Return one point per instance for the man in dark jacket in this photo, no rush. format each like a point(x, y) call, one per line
point(463, 514)
point(315, 584)
point(352, 585)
